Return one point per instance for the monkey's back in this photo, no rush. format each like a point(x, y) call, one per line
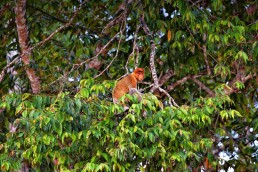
point(122, 87)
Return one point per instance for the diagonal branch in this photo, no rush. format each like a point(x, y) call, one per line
point(204, 87)
point(7, 67)
point(181, 81)
point(119, 42)
point(60, 28)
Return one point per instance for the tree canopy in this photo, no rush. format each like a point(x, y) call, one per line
point(60, 63)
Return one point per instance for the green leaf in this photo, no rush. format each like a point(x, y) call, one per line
point(5, 166)
point(46, 139)
point(151, 137)
point(239, 85)
point(243, 55)
point(224, 114)
point(25, 96)
point(234, 113)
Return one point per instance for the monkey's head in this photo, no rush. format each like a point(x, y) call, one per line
point(139, 74)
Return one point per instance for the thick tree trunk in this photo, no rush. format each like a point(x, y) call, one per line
point(22, 29)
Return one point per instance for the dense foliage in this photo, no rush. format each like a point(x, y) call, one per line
point(56, 110)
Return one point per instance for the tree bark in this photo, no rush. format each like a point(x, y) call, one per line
point(23, 36)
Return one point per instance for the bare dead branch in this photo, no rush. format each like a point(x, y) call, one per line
point(153, 52)
point(150, 85)
point(181, 81)
point(162, 80)
point(137, 56)
point(152, 62)
point(170, 98)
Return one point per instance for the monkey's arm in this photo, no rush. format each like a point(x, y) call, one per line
point(134, 91)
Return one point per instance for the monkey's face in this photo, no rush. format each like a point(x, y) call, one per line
point(139, 74)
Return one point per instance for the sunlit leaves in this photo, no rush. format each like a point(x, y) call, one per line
point(214, 38)
point(46, 139)
point(229, 114)
point(176, 45)
point(5, 166)
point(239, 85)
point(222, 70)
point(243, 55)
point(146, 131)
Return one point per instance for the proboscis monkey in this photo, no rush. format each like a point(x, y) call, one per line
point(128, 83)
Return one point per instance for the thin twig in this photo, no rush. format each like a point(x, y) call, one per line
point(7, 67)
point(60, 28)
point(102, 49)
point(114, 22)
point(119, 42)
point(133, 52)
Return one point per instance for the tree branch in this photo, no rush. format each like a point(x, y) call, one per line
point(205, 54)
point(22, 29)
point(119, 42)
point(181, 81)
point(76, 66)
point(166, 77)
point(134, 47)
point(233, 88)
point(152, 62)
point(204, 87)
point(8, 66)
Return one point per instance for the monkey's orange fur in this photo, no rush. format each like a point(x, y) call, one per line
point(130, 81)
